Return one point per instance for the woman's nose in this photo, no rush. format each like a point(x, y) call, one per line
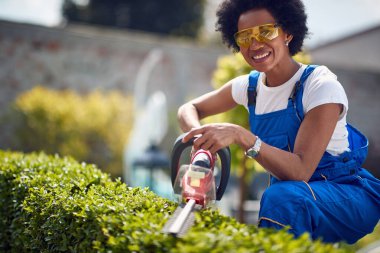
point(255, 45)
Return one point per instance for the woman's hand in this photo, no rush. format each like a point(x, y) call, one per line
point(215, 136)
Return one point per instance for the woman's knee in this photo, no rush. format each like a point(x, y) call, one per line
point(283, 190)
point(283, 193)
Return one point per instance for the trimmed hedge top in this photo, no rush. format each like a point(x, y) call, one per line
point(53, 204)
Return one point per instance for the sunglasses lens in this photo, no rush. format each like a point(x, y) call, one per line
point(263, 33)
point(267, 33)
point(244, 38)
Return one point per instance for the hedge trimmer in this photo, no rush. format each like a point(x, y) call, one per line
point(195, 184)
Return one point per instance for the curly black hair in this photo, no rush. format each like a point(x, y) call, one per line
point(289, 14)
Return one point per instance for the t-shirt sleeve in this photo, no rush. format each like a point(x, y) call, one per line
point(324, 88)
point(239, 89)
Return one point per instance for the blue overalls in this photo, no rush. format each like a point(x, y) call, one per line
point(341, 201)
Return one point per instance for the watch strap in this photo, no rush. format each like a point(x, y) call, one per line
point(253, 151)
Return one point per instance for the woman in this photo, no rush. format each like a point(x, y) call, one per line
point(298, 126)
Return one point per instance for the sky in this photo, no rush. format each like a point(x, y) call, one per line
point(328, 20)
point(332, 19)
point(43, 12)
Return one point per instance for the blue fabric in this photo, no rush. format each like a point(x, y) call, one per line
point(341, 201)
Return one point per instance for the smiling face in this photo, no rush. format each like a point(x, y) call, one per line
point(264, 56)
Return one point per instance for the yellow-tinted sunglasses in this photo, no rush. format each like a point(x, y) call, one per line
point(261, 33)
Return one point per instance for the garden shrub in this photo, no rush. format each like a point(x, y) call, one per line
point(92, 127)
point(54, 204)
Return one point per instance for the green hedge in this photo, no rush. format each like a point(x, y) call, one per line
point(53, 204)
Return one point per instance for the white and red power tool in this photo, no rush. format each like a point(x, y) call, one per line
point(195, 183)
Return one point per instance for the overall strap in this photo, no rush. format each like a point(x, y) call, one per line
point(295, 97)
point(297, 94)
point(251, 91)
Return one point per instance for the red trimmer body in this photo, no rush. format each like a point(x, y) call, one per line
point(198, 183)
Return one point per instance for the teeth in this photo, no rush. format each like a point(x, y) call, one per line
point(257, 57)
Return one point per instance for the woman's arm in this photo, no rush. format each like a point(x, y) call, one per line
point(214, 102)
point(311, 142)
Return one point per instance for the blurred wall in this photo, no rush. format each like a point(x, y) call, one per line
point(84, 58)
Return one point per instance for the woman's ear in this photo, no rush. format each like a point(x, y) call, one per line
point(288, 38)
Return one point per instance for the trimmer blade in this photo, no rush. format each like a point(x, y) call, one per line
point(181, 220)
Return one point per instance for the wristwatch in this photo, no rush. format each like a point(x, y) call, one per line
point(253, 151)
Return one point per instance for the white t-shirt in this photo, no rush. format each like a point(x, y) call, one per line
point(321, 87)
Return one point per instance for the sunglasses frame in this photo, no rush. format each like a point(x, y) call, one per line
point(257, 37)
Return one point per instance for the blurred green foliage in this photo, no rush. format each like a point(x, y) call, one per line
point(54, 204)
point(92, 128)
point(366, 240)
point(166, 17)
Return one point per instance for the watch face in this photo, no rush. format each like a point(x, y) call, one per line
point(254, 151)
point(251, 153)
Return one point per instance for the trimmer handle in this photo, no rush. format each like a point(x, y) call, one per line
point(224, 155)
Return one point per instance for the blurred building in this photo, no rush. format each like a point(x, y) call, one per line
point(356, 61)
point(87, 57)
